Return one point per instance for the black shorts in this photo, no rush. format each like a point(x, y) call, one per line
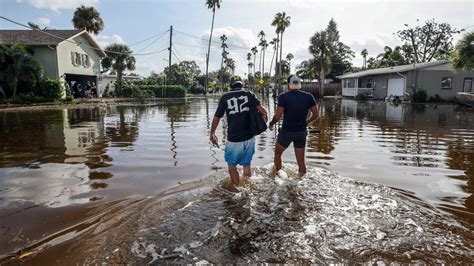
point(285, 138)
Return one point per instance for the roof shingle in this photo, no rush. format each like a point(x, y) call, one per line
point(32, 37)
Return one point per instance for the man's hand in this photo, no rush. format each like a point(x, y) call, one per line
point(214, 140)
point(270, 125)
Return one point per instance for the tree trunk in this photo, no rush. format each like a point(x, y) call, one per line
point(271, 64)
point(119, 82)
point(321, 75)
point(209, 51)
point(281, 59)
point(263, 64)
point(222, 73)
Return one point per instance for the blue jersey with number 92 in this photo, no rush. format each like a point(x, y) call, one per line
point(236, 105)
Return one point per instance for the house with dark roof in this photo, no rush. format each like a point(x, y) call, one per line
point(437, 78)
point(70, 53)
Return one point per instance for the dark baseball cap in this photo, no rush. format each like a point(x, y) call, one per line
point(236, 80)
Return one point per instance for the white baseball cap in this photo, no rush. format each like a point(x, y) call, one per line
point(294, 82)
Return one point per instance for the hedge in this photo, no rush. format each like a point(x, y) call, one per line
point(143, 91)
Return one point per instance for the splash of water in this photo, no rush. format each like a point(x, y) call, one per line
point(318, 218)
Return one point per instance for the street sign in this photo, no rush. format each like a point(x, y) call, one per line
point(261, 82)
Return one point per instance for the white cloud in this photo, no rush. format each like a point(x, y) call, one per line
point(57, 5)
point(43, 21)
point(105, 40)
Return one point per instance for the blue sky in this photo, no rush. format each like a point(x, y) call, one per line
point(362, 24)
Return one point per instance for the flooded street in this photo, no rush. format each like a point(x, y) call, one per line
point(141, 184)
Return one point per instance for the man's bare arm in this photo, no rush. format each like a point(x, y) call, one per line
point(264, 113)
point(212, 134)
point(277, 116)
point(314, 115)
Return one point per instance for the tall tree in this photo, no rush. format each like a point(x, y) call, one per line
point(213, 5)
point(119, 58)
point(261, 35)
point(249, 59)
point(289, 57)
point(281, 21)
point(224, 55)
point(462, 57)
point(364, 54)
point(430, 41)
point(230, 63)
point(391, 57)
point(254, 52)
point(306, 69)
point(372, 63)
point(342, 54)
point(322, 50)
point(273, 42)
point(88, 18)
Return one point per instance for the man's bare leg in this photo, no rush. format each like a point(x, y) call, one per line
point(299, 152)
point(279, 149)
point(247, 171)
point(234, 174)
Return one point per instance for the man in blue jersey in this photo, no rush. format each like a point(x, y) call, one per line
point(294, 105)
point(240, 145)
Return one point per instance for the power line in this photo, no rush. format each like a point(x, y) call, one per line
point(67, 40)
point(154, 41)
point(133, 44)
point(173, 51)
point(177, 53)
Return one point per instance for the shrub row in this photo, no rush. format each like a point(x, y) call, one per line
point(146, 91)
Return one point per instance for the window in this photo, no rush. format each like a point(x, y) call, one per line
point(467, 87)
point(73, 58)
point(78, 59)
point(446, 83)
point(368, 83)
point(87, 62)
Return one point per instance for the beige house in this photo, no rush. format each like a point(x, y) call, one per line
point(73, 54)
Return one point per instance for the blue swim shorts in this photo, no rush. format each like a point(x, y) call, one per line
point(239, 152)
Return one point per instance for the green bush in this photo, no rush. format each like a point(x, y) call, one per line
point(419, 96)
point(29, 98)
point(196, 88)
point(50, 89)
point(361, 96)
point(170, 91)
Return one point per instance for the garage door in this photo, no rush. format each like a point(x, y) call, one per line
point(396, 87)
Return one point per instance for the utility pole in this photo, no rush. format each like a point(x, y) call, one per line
point(169, 58)
point(171, 46)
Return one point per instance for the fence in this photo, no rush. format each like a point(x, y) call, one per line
point(330, 89)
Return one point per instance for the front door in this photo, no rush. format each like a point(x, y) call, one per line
point(467, 85)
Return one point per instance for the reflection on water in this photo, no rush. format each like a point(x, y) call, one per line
point(91, 156)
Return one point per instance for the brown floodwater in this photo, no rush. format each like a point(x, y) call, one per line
point(63, 170)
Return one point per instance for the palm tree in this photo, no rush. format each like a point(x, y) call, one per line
point(88, 18)
point(322, 50)
point(289, 57)
point(213, 5)
point(364, 54)
point(261, 35)
point(273, 42)
point(224, 55)
point(281, 21)
point(254, 52)
point(119, 58)
point(230, 63)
